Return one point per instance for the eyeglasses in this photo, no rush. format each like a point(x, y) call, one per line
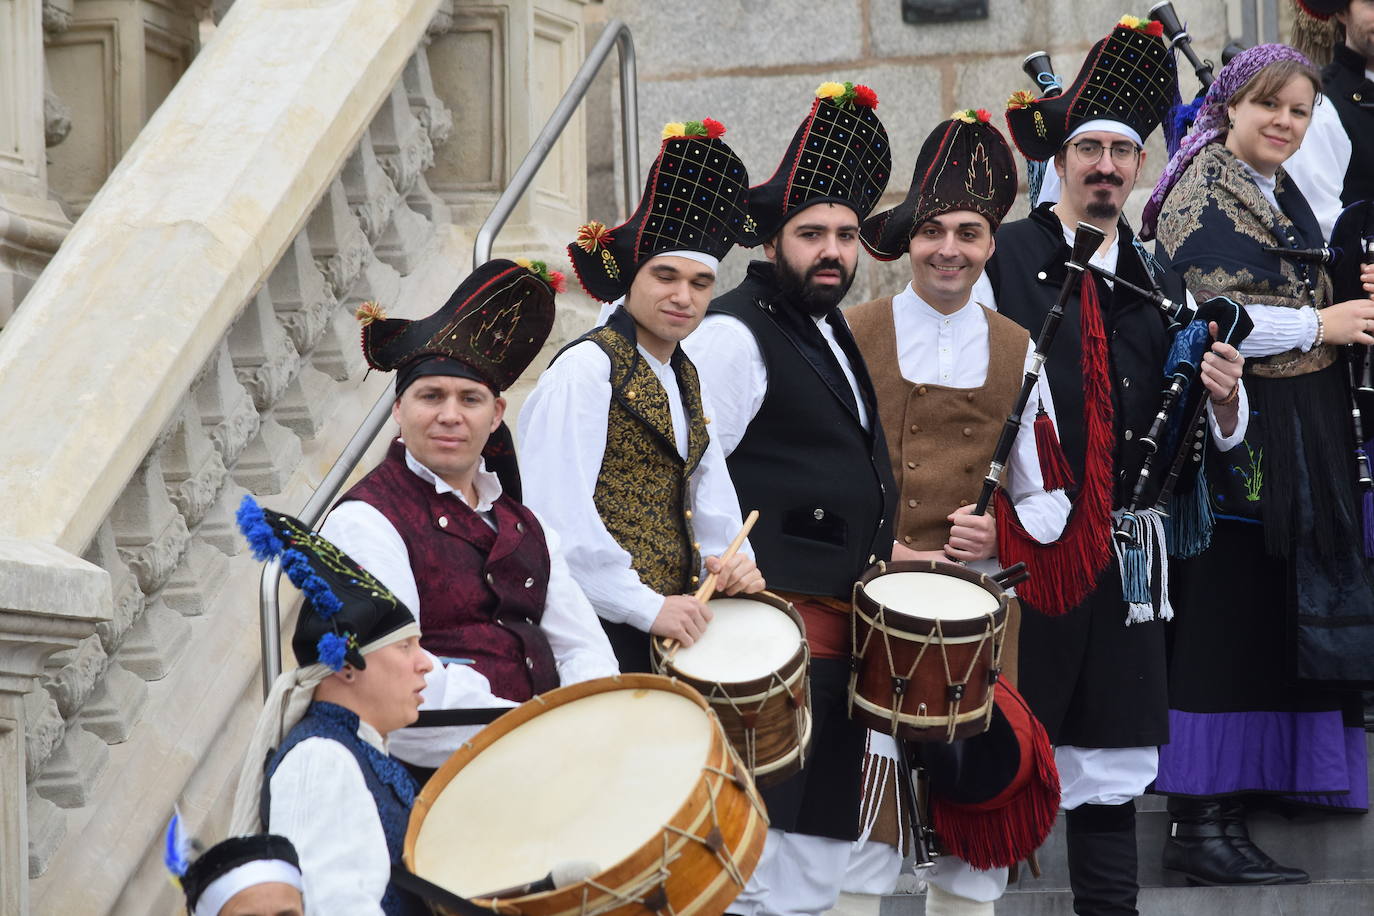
point(1090, 151)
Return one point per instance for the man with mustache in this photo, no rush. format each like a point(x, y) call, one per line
point(797, 417)
point(615, 433)
point(1092, 666)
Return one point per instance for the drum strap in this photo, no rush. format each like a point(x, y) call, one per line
point(428, 890)
point(438, 718)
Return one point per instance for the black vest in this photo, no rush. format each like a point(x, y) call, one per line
point(1026, 274)
point(821, 482)
point(1346, 85)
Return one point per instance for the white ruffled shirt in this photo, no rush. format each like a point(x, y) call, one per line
point(580, 647)
point(562, 430)
point(1320, 163)
point(320, 803)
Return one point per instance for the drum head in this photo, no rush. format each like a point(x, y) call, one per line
point(590, 780)
point(745, 640)
point(931, 596)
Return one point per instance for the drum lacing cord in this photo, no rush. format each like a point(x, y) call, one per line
point(880, 625)
point(957, 697)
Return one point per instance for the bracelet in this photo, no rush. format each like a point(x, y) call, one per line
point(1230, 399)
point(1321, 330)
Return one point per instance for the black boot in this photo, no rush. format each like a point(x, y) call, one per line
point(1233, 823)
point(1102, 859)
point(1199, 848)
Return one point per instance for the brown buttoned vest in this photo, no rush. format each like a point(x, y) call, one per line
point(939, 439)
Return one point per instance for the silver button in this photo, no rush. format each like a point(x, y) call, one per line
point(491, 580)
point(818, 514)
point(1125, 383)
point(529, 583)
point(520, 527)
point(1129, 435)
point(529, 663)
point(443, 521)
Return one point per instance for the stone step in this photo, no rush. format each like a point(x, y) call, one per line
point(1335, 898)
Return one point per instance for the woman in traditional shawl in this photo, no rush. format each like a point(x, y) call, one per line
point(1276, 620)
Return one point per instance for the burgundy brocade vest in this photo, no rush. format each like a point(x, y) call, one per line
point(481, 591)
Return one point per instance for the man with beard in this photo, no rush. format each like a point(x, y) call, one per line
point(1092, 666)
point(797, 416)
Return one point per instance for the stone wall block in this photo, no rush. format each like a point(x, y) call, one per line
point(264, 357)
point(192, 467)
point(339, 244)
point(305, 403)
point(226, 408)
point(371, 193)
point(44, 729)
point(47, 829)
point(73, 675)
point(149, 532)
point(403, 144)
point(115, 705)
point(197, 581)
point(128, 597)
point(425, 202)
point(404, 243)
point(433, 114)
point(300, 295)
point(69, 777)
point(155, 642)
point(266, 464)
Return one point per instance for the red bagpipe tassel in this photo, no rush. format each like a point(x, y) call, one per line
point(1054, 467)
point(1012, 824)
point(1063, 573)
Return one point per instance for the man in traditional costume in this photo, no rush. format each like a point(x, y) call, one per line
point(796, 414)
point(615, 433)
point(1092, 664)
point(438, 523)
point(317, 769)
point(255, 875)
point(947, 371)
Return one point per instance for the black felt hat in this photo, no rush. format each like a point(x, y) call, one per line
point(840, 154)
point(1130, 76)
point(231, 854)
point(694, 200)
point(965, 164)
point(1322, 9)
point(492, 326)
point(346, 607)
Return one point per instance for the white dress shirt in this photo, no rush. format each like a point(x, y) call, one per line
point(1319, 166)
point(562, 444)
point(952, 351)
point(580, 647)
point(320, 803)
point(725, 351)
point(1107, 260)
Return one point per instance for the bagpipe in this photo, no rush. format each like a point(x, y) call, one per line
point(1177, 35)
point(1038, 67)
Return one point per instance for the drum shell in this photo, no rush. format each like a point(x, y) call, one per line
point(778, 703)
point(697, 883)
point(970, 645)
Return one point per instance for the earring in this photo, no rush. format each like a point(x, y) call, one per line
point(1230, 123)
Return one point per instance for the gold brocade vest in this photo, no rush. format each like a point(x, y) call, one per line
point(642, 491)
point(939, 439)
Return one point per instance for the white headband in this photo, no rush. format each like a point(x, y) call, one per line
point(700, 257)
point(249, 874)
point(1116, 127)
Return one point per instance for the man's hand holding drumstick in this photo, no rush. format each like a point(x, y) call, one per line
point(683, 618)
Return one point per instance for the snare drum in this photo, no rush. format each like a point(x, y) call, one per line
point(631, 773)
point(750, 665)
point(927, 650)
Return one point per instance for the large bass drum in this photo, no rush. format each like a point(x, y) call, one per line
point(927, 650)
point(630, 777)
point(751, 666)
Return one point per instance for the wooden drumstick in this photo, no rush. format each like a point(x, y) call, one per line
point(671, 645)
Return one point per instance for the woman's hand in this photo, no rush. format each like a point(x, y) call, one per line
point(1348, 322)
point(1367, 278)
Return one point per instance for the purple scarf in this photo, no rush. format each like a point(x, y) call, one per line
point(1211, 120)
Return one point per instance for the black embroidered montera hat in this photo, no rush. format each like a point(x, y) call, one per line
point(694, 201)
point(1129, 77)
point(965, 164)
point(840, 154)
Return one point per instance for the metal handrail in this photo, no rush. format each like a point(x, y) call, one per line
point(616, 34)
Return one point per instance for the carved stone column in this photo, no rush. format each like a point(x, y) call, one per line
point(502, 66)
point(31, 225)
point(49, 601)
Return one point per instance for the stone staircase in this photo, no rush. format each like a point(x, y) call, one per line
point(1336, 850)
